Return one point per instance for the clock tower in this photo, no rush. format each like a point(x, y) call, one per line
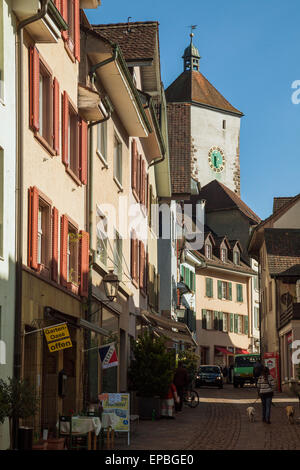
point(204, 131)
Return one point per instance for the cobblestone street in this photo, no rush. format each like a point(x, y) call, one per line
point(220, 422)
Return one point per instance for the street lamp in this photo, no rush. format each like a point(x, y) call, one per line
point(111, 285)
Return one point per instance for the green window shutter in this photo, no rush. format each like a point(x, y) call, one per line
point(246, 325)
point(209, 287)
point(220, 321)
point(239, 292)
point(216, 320)
point(182, 271)
point(236, 323)
point(230, 290)
point(219, 289)
point(231, 323)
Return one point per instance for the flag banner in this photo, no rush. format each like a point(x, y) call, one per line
point(108, 356)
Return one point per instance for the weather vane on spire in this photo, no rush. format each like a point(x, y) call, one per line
point(192, 28)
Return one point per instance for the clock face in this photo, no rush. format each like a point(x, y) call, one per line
point(216, 159)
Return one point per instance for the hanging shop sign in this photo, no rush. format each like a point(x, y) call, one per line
point(58, 337)
point(108, 356)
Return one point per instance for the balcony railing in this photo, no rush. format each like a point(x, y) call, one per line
point(291, 313)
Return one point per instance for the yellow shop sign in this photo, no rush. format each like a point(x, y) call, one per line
point(58, 337)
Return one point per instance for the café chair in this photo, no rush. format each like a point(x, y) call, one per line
point(75, 440)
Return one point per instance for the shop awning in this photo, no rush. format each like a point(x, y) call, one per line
point(241, 351)
point(175, 331)
point(222, 350)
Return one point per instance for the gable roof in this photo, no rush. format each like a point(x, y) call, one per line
point(192, 86)
point(137, 40)
point(283, 250)
point(219, 197)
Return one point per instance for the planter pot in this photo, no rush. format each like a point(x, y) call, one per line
point(56, 443)
point(43, 445)
point(147, 405)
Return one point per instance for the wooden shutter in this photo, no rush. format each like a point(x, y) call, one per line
point(219, 289)
point(204, 320)
point(231, 322)
point(147, 192)
point(56, 116)
point(209, 287)
point(54, 267)
point(142, 264)
point(33, 227)
point(65, 128)
point(138, 175)
point(34, 87)
point(64, 13)
point(83, 151)
point(64, 230)
point(216, 320)
point(133, 164)
point(220, 321)
point(246, 325)
point(84, 263)
point(132, 256)
point(236, 323)
point(178, 298)
point(143, 183)
point(77, 30)
point(229, 285)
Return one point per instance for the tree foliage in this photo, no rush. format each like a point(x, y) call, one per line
point(17, 399)
point(151, 371)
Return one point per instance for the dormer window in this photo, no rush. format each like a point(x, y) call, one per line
point(224, 255)
point(236, 257)
point(208, 251)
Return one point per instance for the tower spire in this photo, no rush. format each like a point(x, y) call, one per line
point(191, 56)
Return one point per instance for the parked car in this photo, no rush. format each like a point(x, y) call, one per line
point(209, 375)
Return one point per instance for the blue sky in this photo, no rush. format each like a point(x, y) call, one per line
point(250, 52)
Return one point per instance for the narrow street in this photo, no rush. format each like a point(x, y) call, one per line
point(220, 422)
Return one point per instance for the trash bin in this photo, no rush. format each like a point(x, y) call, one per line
point(25, 435)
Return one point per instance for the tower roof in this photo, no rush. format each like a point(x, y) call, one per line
point(192, 87)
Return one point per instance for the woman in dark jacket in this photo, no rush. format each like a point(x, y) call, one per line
point(265, 387)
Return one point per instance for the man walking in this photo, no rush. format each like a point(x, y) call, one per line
point(181, 381)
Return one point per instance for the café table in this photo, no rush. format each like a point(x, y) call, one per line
point(90, 425)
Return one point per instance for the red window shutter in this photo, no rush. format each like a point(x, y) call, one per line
point(147, 192)
point(84, 263)
point(143, 177)
point(133, 164)
point(64, 230)
point(83, 151)
point(142, 264)
point(54, 244)
point(34, 80)
point(65, 128)
point(136, 259)
point(77, 30)
point(33, 227)
point(56, 116)
point(64, 13)
point(132, 247)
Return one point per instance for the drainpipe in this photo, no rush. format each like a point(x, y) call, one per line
point(19, 199)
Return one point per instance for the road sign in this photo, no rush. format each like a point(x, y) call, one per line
point(58, 337)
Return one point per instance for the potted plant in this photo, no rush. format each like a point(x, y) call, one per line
point(150, 373)
point(18, 401)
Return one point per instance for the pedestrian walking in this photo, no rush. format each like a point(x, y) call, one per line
point(180, 381)
point(168, 403)
point(265, 387)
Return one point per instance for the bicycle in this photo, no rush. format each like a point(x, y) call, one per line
point(191, 398)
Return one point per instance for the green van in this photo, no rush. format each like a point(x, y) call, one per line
point(243, 369)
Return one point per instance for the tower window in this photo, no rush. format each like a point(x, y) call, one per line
point(224, 124)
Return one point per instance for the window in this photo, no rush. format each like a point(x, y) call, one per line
point(236, 323)
point(245, 321)
point(209, 320)
point(208, 251)
point(239, 293)
point(72, 254)
point(225, 322)
point(255, 282)
point(118, 256)
point(204, 319)
point(236, 257)
point(240, 324)
point(45, 104)
point(224, 255)
point(102, 242)
point(1, 52)
point(209, 287)
point(118, 160)
point(224, 290)
point(1, 199)
point(102, 140)
point(44, 239)
point(224, 124)
point(71, 24)
point(256, 318)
